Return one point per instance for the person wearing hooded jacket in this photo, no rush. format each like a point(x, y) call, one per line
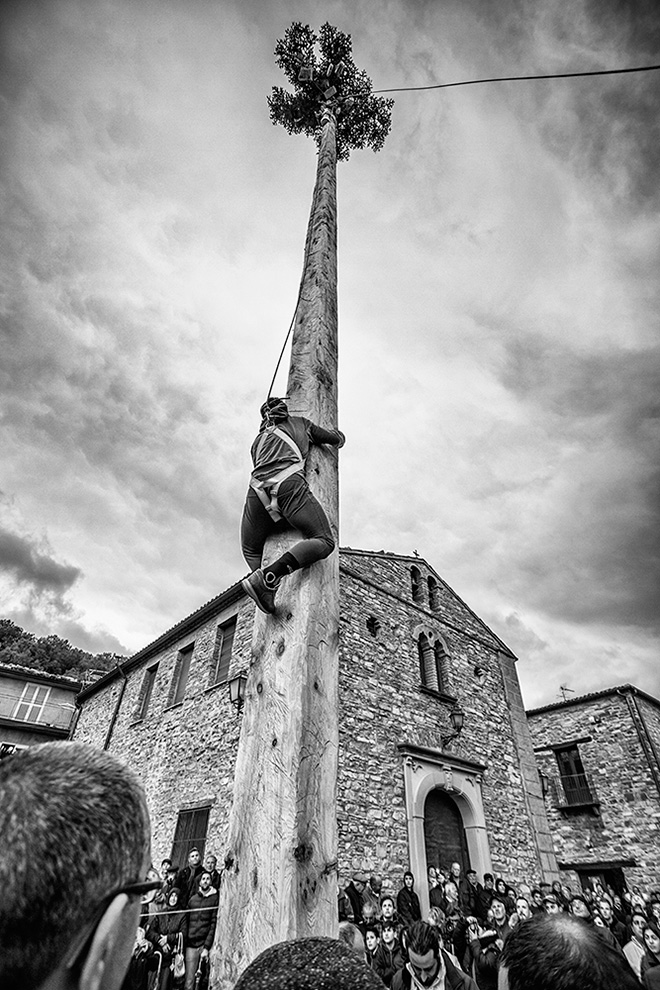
point(279, 495)
point(407, 901)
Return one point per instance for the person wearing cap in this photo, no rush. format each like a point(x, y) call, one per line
point(279, 495)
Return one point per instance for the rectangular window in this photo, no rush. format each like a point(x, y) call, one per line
point(145, 692)
point(190, 833)
point(32, 702)
point(180, 677)
point(222, 651)
point(573, 777)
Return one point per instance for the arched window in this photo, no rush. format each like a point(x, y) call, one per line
point(434, 663)
point(416, 584)
point(428, 667)
point(433, 593)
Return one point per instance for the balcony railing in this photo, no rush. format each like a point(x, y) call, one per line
point(574, 790)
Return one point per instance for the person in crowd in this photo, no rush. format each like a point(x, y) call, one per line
point(388, 958)
point(580, 909)
point(536, 904)
point(76, 845)
point(559, 894)
point(561, 952)
point(635, 948)
point(169, 925)
point(371, 942)
point(502, 891)
point(484, 955)
point(610, 922)
point(202, 920)
point(278, 490)
point(407, 901)
point(388, 911)
point(450, 897)
point(309, 964)
point(372, 891)
point(354, 891)
point(523, 908)
point(211, 864)
point(500, 921)
point(369, 918)
point(436, 917)
point(469, 890)
point(650, 965)
point(432, 876)
point(429, 965)
point(351, 936)
point(344, 909)
point(485, 897)
point(551, 904)
point(187, 878)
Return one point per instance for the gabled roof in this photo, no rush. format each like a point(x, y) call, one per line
point(235, 594)
point(417, 560)
point(584, 699)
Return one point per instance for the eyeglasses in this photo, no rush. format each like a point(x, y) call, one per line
point(82, 943)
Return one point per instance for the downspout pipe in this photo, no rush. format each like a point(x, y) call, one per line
point(643, 733)
point(108, 736)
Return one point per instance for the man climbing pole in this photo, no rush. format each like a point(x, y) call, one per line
point(279, 495)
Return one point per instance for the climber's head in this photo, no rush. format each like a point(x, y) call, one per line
point(274, 410)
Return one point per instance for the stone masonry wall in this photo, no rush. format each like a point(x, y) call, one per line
point(381, 705)
point(184, 755)
point(628, 823)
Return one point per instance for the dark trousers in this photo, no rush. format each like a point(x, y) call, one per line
point(300, 510)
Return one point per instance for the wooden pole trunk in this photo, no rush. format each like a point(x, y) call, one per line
point(281, 858)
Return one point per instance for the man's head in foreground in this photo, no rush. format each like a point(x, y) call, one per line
point(75, 831)
point(309, 964)
point(558, 952)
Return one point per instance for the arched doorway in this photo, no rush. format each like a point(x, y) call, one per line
point(444, 832)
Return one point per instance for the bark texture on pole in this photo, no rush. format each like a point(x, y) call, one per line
point(281, 857)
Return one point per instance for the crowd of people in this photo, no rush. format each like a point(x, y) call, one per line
point(78, 882)
point(473, 921)
point(177, 927)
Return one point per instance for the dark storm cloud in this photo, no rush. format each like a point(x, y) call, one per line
point(604, 523)
point(21, 558)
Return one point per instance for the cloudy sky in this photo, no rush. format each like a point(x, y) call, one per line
point(499, 303)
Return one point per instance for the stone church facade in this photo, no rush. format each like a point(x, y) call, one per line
point(409, 795)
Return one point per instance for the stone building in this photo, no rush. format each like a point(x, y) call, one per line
point(599, 759)
point(410, 791)
point(35, 707)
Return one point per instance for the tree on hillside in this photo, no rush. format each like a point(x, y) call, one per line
point(51, 654)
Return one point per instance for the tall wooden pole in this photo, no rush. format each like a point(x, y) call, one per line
point(281, 859)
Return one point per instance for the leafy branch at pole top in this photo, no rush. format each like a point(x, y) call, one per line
point(322, 72)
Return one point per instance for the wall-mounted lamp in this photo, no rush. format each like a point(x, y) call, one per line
point(457, 718)
point(237, 690)
point(545, 783)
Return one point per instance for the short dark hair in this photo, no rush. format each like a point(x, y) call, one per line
point(488, 876)
point(422, 938)
point(309, 964)
point(74, 826)
point(559, 952)
point(471, 871)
